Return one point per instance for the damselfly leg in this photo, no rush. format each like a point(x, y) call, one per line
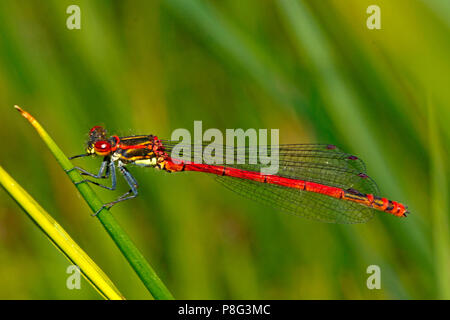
point(104, 168)
point(108, 169)
point(111, 171)
point(133, 189)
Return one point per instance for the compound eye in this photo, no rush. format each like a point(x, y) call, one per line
point(102, 148)
point(96, 128)
point(97, 133)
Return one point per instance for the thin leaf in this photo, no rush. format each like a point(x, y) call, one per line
point(60, 238)
point(439, 205)
point(137, 261)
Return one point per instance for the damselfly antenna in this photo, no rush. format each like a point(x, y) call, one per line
point(80, 156)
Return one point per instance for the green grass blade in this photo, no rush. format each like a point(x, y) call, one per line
point(60, 238)
point(226, 39)
point(137, 261)
point(439, 206)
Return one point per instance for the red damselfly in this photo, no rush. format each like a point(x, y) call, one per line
point(316, 181)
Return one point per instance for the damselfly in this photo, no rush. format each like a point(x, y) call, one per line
point(316, 181)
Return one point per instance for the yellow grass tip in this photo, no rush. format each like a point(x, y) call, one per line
point(25, 114)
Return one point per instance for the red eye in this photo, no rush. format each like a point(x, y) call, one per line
point(102, 148)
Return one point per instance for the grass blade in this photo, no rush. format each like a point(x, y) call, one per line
point(137, 261)
point(60, 238)
point(439, 205)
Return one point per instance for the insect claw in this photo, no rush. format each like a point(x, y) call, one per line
point(107, 206)
point(98, 211)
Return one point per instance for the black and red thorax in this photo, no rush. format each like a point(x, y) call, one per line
point(144, 150)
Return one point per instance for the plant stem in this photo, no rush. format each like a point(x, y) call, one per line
point(137, 261)
point(60, 238)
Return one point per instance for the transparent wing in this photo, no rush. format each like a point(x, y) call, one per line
point(306, 204)
point(290, 155)
point(319, 163)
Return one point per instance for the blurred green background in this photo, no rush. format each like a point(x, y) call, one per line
point(309, 68)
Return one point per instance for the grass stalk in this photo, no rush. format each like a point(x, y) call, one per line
point(60, 238)
point(134, 257)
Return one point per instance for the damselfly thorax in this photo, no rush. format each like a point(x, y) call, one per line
point(143, 150)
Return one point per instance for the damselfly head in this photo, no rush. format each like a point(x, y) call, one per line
point(97, 142)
